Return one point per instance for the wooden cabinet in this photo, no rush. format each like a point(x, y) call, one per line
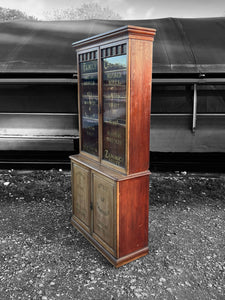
point(111, 209)
point(110, 175)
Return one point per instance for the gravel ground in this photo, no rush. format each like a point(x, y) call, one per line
point(43, 257)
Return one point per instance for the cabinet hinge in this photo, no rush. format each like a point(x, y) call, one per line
point(91, 206)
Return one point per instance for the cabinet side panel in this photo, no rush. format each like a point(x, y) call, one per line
point(140, 100)
point(133, 214)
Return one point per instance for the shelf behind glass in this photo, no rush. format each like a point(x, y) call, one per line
point(114, 109)
point(89, 106)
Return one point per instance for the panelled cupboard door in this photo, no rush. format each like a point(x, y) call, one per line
point(104, 211)
point(81, 196)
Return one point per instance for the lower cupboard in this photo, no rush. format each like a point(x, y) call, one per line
point(111, 209)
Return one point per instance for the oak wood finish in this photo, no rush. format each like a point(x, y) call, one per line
point(111, 187)
point(119, 209)
point(81, 195)
point(104, 211)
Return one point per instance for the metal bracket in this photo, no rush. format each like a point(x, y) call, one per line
point(194, 119)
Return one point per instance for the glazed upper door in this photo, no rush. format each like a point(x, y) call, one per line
point(89, 102)
point(103, 104)
point(114, 95)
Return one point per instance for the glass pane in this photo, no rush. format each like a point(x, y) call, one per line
point(89, 106)
point(114, 109)
point(211, 98)
point(172, 99)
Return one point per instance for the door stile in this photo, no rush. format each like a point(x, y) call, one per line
point(100, 106)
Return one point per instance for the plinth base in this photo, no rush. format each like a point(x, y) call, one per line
point(116, 262)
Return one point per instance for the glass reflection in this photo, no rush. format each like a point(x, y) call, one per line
point(89, 106)
point(114, 109)
point(115, 63)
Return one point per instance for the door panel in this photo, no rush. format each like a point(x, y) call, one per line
point(81, 198)
point(104, 211)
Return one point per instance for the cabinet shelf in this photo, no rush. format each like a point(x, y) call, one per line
point(88, 74)
point(114, 99)
point(115, 123)
point(88, 84)
point(90, 118)
point(87, 97)
point(113, 71)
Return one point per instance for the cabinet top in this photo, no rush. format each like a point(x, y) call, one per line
point(108, 172)
point(128, 31)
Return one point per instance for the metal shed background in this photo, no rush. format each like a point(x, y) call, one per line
point(181, 45)
point(38, 102)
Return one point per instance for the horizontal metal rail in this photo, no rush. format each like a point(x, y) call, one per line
point(33, 162)
point(170, 115)
point(49, 137)
point(183, 115)
point(152, 114)
point(38, 114)
point(37, 81)
point(188, 80)
point(75, 80)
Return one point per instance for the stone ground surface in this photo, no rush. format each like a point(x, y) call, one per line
point(43, 257)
